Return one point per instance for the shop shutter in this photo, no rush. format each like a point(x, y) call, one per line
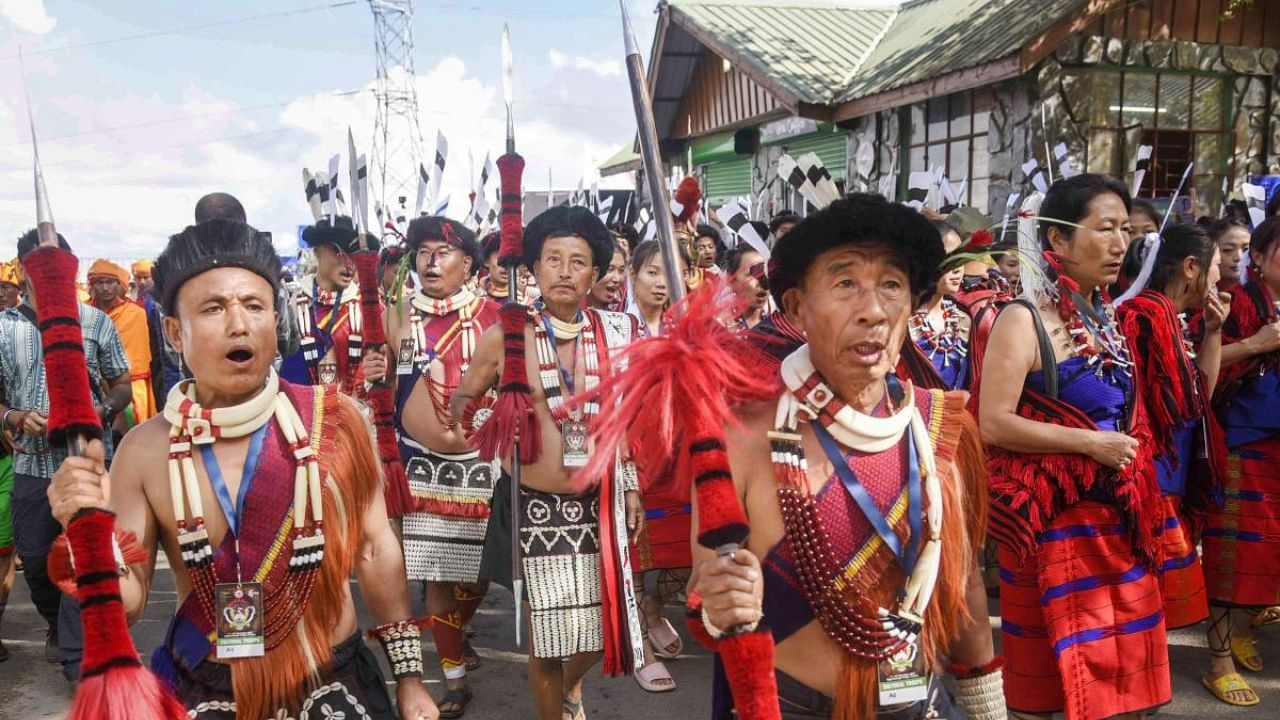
point(726, 180)
point(831, 147)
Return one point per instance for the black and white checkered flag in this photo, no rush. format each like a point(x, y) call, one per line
point(752, 232)
point(1140, 168)
point(1036, 174)
point(1255, 196)
point(480, 211)
point(1065, 168)
point(424, 181)
point(809, 176)
point(437, 173)
point(920, 185)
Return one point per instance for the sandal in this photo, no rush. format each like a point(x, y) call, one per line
point(1267, 616)
point(455, 700)
point(470, 658)
point(1229, 683)
point(665, 641)
point(1246, 654)
point(571, 709)
point(655, 678)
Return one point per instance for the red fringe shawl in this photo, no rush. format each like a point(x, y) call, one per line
point(513, 420)
point(1251, 307)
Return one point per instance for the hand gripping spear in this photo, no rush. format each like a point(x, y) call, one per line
point(113, 684)
point(722, 523)
point(395, 488)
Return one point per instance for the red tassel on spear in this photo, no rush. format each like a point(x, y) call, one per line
point(113, 683)
point(722, 523)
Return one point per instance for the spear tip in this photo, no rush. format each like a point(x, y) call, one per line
point(628, 32)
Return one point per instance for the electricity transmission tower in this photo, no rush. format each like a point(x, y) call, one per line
point(397, 140)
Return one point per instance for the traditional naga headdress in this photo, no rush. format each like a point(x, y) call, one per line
point(213, 244)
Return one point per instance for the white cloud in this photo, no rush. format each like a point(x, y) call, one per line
point(601, 68)
point(124, 171)
point(27, 15)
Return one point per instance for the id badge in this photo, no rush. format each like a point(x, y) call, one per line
point(240, 619)
point(574, 443)
point(902, 678)
point(328, 373)
point(404, 359)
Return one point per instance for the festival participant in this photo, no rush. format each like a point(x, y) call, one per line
point(433, 338)
point(573, 544)
point(745, 269)
point(389, 272)
point(24, 415)
point(781, 223)
point(107, 282)
point(155, 331)
point(10, 296)
point(1143, 219)
point(265, 623)
point(661, 552)
point(1245, 402)
point(1232, 237)
point(327, 309)
point(707, 248)
point(1072, 476)
point(494, 285)
point(606, 294)
point(1006, 257)
point(1177, 374)
point(941, 328)
point(848, 277)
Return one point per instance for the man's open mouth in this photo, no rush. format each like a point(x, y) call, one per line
point(240, 355)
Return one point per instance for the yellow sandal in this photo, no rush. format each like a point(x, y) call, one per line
point(1267, 616)
point(1231, 682)
point(1246, 654)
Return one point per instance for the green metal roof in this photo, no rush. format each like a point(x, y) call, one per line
point(625, 160)
point(802, 46)
point(833, 51)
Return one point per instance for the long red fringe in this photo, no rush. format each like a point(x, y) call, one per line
point(113, 685)
point(1165, 375)
point(513, 420)
point(511, 250)
point(52, 273)
point(452, 508)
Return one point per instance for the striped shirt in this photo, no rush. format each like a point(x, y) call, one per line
point(22, 381)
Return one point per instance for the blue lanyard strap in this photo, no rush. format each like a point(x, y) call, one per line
point(868, 506)
point(551, 334)
point(236, 512)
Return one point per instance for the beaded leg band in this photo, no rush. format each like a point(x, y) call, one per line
point(402, 642)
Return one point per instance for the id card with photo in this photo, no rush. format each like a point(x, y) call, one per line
point(240, 633)
point(574, 443)
point(902, 679)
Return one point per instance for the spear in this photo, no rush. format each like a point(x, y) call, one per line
point(113, 683)
point(722, 523)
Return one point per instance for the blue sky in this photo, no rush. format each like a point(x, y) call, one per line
point(143, 106)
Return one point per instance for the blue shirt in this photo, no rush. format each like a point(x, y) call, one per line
point(22, 381)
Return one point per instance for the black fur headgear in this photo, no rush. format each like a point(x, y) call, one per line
point(564, 221)
point(339, 233)
point(859, 219)
point(436, 227)
point(210, 245)
point(30, 240)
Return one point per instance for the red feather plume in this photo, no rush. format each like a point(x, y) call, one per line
point(688, 197)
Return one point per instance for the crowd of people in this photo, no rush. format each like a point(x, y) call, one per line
point(909, 415)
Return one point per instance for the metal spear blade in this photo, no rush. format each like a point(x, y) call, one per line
point(508, 85)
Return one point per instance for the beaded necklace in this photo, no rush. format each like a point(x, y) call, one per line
point(951, 339)
point(464, 303)
point(305, 307)
point(1112, 352)
point(841, 594)
point(552, 375)
point(1188, 344)
point(192, 425)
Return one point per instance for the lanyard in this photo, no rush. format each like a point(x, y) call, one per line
point(337, 305)
point(868, 506)
point(564, 374)
point(236, 512)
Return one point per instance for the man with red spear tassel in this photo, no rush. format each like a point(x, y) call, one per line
point(265, 623)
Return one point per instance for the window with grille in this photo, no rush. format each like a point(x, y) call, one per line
point(950, 132)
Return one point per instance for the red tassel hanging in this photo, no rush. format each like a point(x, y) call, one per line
point(511, 251)
point(52, 273)
point(513, 419)
point(395, 489)
point(113, 683)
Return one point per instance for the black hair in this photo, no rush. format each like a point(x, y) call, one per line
point(1273, 207)
point(1146, 208)
point(733, 259)
point(564, 221)
point(859, 219)
point(213, 244)
point(1264, 237)
point(644, 252)
point(443, 229)
point(628, 233)
point(490, 245)
point(1068, 201)
point(1237, 209)
point(219, 205)
point(1178, 242)
point(782, 217)
point(1219, 227)
point(30, 240)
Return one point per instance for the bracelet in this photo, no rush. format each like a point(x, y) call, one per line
point(402, 643)
point(630, 477)
point(4, 419)
point(717, 634)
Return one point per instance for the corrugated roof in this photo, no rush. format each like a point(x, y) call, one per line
point(799, 45)
point(932, 37)
point(831, 52)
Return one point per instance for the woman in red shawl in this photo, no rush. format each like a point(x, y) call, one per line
point(1246, 403)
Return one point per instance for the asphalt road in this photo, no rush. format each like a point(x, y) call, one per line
point(30, 689)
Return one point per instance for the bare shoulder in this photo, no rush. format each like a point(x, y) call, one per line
point(1014, 319)
point(747, 434)
point(144, 444)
